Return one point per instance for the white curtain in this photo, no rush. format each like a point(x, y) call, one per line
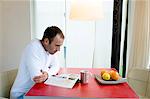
point(138, 52)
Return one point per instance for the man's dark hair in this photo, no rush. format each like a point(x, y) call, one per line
point(51, 32)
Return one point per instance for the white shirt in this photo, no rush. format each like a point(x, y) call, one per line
point(34, 59)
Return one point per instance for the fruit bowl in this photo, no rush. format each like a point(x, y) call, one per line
point(100, 80)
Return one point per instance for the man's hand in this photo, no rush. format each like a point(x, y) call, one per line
point(41, 78)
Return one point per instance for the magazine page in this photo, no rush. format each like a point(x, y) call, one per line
point(63, 80)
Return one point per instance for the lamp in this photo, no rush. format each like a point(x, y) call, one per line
point(86, 10)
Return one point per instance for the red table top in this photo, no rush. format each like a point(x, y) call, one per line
point(91, 90)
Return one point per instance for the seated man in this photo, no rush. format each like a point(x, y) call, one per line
point(38, 62)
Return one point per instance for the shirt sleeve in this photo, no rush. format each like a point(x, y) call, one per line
point(34, 61)
point(54, 66)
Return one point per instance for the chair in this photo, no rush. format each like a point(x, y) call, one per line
point(6, 81)
point(139, 79)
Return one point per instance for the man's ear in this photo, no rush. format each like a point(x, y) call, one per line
point(46, 41)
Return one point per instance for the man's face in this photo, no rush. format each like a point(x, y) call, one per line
point(54, 46)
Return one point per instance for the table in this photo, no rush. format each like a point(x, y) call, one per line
point(92, 90)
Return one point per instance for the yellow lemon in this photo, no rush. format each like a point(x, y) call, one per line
point(106, 76)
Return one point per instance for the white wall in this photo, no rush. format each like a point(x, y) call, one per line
point(103, 41)
point(16, 31)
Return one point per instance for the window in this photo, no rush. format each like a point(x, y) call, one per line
point(88, 43)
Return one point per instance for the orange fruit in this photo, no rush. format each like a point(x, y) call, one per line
point(114, 75)
point(111, 72)
point(103, 71)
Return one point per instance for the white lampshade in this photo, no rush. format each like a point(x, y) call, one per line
point(86, 10)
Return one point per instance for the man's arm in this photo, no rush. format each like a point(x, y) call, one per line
point(41, 78)
point(35, 63)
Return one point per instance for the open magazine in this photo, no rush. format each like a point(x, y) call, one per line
point(63, 80)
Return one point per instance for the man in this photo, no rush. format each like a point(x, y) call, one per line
point(38, 62)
